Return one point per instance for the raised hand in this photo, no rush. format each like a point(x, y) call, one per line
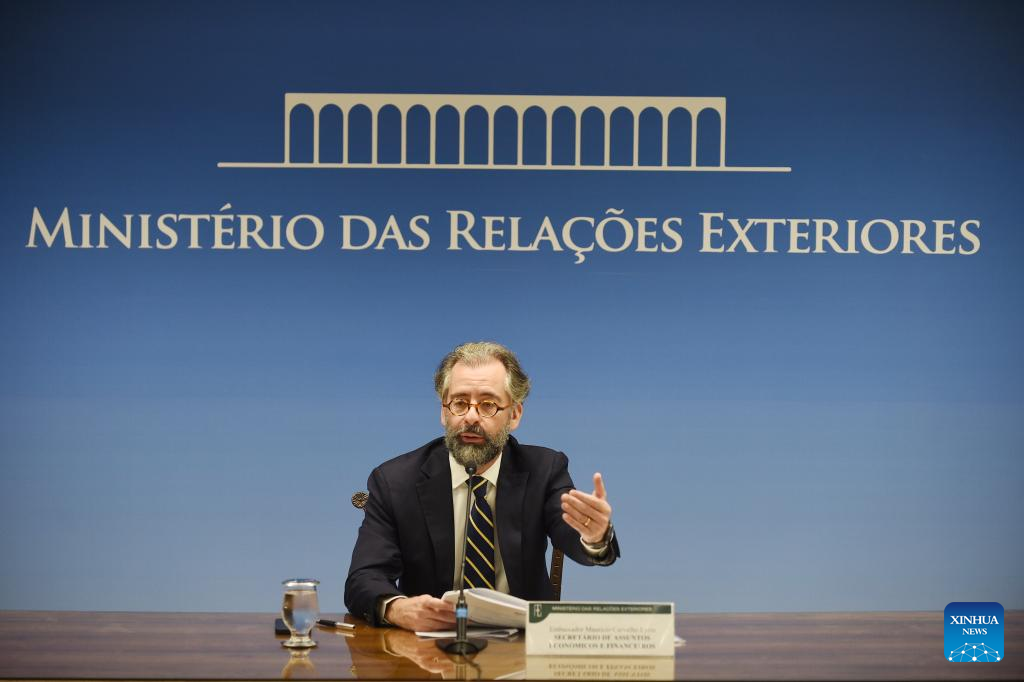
point(591, 514)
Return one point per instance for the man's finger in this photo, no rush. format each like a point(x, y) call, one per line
point(587, 504)
point(575, 524)
point(577, 514)
point(584, 523)
point(429, 624)
point(441, 606)
point(587, 530)
point(599, 490)
point(437, 621)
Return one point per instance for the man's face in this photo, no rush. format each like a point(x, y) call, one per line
point(470, 438)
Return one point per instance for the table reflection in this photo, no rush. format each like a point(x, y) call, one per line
point(600, 668)
point(393, 653)
point(299, 666)
point(401, 654)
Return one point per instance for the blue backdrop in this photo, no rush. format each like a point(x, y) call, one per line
point(181, 429)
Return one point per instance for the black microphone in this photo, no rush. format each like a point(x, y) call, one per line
point(462, 645)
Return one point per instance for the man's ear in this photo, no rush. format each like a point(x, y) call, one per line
point(517, 415)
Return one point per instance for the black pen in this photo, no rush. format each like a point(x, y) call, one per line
point(335, 624)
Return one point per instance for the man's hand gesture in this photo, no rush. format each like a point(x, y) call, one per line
point(590, 515)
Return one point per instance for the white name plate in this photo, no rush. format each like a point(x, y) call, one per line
point(561, 628)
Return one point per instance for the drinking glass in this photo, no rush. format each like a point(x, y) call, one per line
point(300, 611)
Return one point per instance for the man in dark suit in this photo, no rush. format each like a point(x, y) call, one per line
point(406, 553)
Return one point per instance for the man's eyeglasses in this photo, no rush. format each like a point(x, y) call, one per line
point(484, 408)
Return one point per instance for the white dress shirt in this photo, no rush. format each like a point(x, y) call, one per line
point(460, 496)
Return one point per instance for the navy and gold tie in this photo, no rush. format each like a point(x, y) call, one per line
point(479, 539)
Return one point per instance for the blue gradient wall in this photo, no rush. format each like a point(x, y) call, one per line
point(180, 430)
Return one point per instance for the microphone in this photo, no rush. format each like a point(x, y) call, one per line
point(462, 645)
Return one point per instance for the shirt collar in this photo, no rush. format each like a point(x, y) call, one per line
point(459, 472)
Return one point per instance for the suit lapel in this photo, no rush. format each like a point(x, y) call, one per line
point(512, 484)
point(435, 494)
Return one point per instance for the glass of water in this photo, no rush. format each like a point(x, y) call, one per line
point(300, 610)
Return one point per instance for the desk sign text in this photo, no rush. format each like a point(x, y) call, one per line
point(562, 628)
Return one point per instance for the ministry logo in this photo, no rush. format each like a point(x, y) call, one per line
point(397, 130)
point(974, 632)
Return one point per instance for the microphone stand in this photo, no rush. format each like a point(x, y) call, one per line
point(462, 645)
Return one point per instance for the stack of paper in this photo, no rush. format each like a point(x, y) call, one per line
point(489, 607)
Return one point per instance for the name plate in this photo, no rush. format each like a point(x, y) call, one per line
point(561, 628)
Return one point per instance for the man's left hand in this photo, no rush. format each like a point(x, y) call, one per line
point(590, 515)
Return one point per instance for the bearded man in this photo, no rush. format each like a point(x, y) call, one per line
point(409, 545)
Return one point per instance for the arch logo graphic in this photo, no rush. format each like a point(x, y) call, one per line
point(974, 632)
point(341, 120)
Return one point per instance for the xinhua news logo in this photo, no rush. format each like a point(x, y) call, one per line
point(974, 632)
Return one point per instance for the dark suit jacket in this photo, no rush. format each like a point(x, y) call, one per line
point(406, 544)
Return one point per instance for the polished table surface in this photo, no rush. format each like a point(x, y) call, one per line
point(792, 646)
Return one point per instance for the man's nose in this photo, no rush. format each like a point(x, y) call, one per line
point(472, 414)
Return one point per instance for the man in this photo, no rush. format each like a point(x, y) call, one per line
point(408, 549)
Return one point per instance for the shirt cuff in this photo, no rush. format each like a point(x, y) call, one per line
point(382, 607)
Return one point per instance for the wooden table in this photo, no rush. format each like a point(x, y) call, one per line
point(792, 646)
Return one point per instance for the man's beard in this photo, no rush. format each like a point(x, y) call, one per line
point(476, 454)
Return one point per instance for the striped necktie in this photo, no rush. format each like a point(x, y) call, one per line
point(479, 570)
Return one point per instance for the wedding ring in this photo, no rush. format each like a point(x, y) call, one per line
point(586, 524)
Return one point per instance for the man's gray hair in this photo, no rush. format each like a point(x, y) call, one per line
point(478, 353)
